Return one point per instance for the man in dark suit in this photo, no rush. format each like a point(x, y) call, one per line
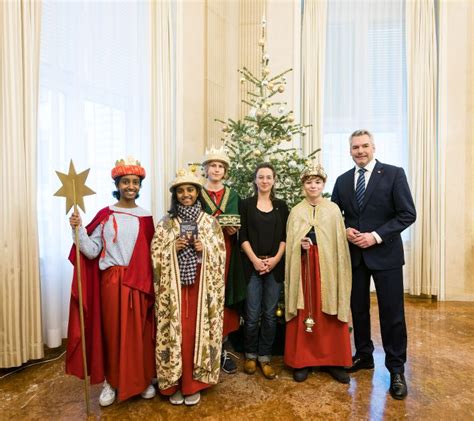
point(377, 206)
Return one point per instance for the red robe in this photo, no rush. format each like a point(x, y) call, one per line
point(138, 277)
point(329, 343)
point(231, 316)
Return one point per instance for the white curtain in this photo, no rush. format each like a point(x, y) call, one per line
point(313, 55)
point(365, 81)
point(164, 101)
point(365, 86)
point(94, 108)
point(422, 83)
point(20, 307)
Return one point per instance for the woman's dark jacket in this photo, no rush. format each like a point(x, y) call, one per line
point(249, 231)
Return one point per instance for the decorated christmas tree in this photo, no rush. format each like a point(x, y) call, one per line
point(264, 134)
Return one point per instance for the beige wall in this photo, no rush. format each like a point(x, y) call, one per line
point(456, 124)
point(193, 62)
point(209, 61)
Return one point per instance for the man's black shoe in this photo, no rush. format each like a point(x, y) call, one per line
point(398, 386)
point(338, 373)
point(359, 363)
point(300, 374)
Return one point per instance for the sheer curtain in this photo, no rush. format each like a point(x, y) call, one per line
point(313, 55)
point(93, 108)
point(365, 84)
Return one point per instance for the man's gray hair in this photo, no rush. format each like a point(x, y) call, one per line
point(362, 132)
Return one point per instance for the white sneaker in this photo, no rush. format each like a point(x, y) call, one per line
point(149, 392)
point(107, 396)
point(192, 399)
point(177, 398)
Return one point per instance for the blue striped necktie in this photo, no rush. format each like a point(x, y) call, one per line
point(360, 186)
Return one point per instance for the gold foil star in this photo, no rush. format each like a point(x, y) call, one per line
point(74, 187)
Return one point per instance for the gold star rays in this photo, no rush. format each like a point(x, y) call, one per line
point(74, 187)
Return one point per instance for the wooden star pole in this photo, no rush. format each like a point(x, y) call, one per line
point(74, 189)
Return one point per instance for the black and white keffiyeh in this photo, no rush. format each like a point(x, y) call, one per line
point(188, 257)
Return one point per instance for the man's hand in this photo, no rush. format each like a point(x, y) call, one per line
point(352, 234)
point(364, 240)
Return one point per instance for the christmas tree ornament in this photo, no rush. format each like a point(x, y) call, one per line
point(291, 118)
point(261, 42)
point(264, 82)
point(281, 110)
point(242, 80)
point(266, 71)
point(259, 113)
point(281, 89)
point(279, 312)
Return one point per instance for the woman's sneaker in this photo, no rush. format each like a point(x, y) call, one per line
point(176, 398)
point(107, 396)
point(192, 399)
point(149, 392)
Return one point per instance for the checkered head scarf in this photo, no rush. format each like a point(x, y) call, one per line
point(187, 257)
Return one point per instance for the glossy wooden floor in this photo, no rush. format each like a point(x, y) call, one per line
point(440, 375)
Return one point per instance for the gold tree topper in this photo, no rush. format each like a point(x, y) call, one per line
point(74, 187)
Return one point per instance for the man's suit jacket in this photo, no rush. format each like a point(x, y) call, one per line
point(387, 209)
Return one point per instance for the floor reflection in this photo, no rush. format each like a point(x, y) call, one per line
point(439, 375)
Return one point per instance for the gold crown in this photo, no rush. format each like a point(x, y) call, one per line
point(128, 166)
point(216, 154)
point(313, 170)
point(188, 175)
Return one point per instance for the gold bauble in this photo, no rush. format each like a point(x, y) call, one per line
point(259, 113)
point(261, 42)
point(242, 80)
point(271, 86)
point(281, 89)
point(291, 118)
point(266, 71)
point(257, 152)
point(279, 312)
point(225, 128)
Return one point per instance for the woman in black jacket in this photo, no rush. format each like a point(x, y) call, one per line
point(262, 237)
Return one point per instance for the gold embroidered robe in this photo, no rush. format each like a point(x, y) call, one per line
point(334, 258)
point(210, 307)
